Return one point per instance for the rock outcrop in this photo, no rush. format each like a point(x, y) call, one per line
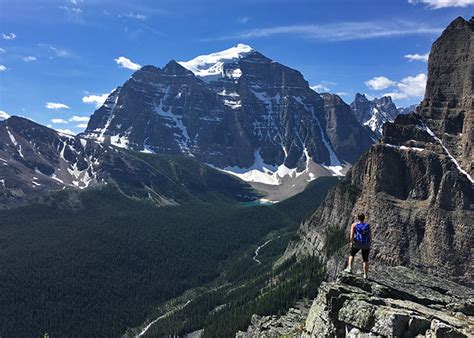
point(291, 324)
point(394, 302)
point(416, 194)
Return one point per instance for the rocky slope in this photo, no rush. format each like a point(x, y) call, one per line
point(236, 110)
point(373, 114)
point(35, 160)
point(414, 185)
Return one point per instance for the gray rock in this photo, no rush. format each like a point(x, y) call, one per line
point(412, 308)
point(290, 324)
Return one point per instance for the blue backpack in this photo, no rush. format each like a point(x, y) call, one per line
point(361, 237)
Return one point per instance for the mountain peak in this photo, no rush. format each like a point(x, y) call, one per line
point(211, 66)
point(360, 97)
point(173, 67)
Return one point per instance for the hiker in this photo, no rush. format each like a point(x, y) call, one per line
point(360, 239)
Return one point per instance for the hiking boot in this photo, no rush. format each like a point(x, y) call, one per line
point(348, 270)
point(365, 276)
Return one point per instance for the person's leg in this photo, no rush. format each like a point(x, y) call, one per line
point(351, 259)
point(365, 258)
point(349, 264)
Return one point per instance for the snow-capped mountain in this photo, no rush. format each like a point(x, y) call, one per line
point(375, 113)
point(236, 110)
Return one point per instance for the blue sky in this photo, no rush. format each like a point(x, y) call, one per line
point(56, 54)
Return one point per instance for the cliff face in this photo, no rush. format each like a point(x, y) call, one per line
point(414, 186)
point(448, 107)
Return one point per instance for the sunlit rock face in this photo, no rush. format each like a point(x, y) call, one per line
point(415, 185)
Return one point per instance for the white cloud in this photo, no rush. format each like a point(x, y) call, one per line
point(342, 31)
point(98, 100)
point(8, 36)
point(417, 57)
point(2, 68)
point(436, 4)
point(76, 2)
point(410, 87)
point(29, 58)
point(127, 63)
point(75, 10)
point(379, 83)
point(76, 118)
point(60, 52)
point(65, 131)
point(135, 16)
point(320, 88)
point(56, 105)
point(2, 51)
point(243, 19)
point(82, 125)
point(59, 121)
point(4, 115)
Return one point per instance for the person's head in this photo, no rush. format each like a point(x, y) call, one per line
point(360, 217)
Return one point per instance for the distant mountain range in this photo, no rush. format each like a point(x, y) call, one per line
point(236, 110)
point(374, 113)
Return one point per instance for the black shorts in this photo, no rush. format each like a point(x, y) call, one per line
point(365, 253)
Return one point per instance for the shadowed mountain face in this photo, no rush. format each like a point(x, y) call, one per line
point(448, 107)
point(35, 160)
point(415, 185)
point(235, 109)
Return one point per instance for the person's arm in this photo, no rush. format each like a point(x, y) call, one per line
point(370, 234)
point(351, 236)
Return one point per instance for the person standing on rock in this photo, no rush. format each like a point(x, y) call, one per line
point(360, 239)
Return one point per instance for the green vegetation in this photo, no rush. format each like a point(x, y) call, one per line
point(98, 262)
point(225, 311)
point(265, 296)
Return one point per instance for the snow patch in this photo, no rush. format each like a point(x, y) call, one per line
point(177, 121)
point(428, 130)
point(211, 67)
point(260, 172)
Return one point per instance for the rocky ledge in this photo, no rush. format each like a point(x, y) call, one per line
point(290, 324)
point(393, 302)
